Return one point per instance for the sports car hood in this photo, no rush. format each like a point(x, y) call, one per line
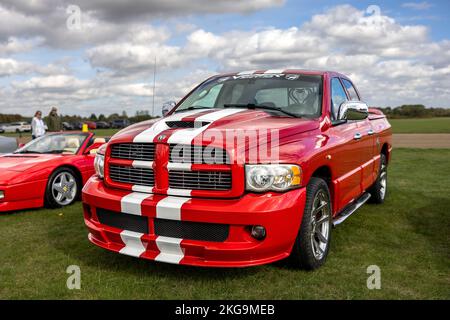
point(184, 126)
point(21, 162)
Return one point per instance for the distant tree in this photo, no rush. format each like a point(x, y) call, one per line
point(102, 117)
point(124, 114)
point(93, 117)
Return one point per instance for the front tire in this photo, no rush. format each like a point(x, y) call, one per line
point(313, 240)
point(379, 188)
point(63, 188)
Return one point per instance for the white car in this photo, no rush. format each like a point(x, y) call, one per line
point(17, 127)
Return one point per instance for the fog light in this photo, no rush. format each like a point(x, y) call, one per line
point(258, 232)
point(2, 195)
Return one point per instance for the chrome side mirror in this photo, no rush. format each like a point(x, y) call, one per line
point(353, 110)
point(167, 106)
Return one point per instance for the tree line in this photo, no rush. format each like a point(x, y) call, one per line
point(404, 111)
point(138, 117)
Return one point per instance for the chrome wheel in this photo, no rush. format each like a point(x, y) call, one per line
point(383, 180)
point(64, 188)
point(320, 224)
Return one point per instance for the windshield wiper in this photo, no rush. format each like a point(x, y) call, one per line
point(192, 108)
point(257, 106)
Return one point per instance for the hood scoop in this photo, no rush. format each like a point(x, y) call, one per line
point(186, 124)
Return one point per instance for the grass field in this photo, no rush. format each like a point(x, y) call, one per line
point(426, 125)
point(408, 238)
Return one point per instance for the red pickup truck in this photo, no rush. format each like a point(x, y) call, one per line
point(247, 169)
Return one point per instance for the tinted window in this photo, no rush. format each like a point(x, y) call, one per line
point(350, 89)
point(337, 96)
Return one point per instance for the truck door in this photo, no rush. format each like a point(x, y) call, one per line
point(347, 159)
point(366, 141)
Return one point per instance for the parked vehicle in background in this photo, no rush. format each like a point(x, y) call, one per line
point(91, 125)
point(77, 125)
point(120, 123)
point(50, 171)
point(7, 145)
point(18, 127)
point(199, 187)
point(102, 125)
point(1, 127)
point(67, 126)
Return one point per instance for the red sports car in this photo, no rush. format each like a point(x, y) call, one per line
point(49, 171)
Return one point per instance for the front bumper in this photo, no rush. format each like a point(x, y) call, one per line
point(279, 213)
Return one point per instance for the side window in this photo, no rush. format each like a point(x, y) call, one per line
point(350, 89)
point(337, 96)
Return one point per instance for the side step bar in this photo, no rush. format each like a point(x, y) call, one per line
point(350, 209)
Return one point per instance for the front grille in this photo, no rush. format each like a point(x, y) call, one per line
point(198, 154)
point(123, 221)
point(133, 151)
point(191, 230)
point(138, 176)
point(200, 180)
point(185, 124)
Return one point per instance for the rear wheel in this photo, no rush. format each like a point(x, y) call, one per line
point(313, 240)
point(62, 188)
point(379, 188)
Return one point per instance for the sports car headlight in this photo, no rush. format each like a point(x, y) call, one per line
point(99, 165)
point(274, 177)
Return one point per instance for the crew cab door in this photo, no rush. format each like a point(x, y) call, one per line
point(347, 151)
point(366, 141)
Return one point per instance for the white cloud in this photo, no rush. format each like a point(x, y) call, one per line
point(417, 5)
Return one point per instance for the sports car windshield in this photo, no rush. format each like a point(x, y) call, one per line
point(55, 144)
point(281, 94)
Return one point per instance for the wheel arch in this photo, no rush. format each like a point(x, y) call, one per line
point(385, 151)
point(324, 172)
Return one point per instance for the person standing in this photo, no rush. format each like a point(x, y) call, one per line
point(37, 126)
point(54, 121)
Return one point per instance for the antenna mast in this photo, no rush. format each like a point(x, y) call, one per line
point(154, 85)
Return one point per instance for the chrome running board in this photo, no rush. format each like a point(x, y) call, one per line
point(350, 209)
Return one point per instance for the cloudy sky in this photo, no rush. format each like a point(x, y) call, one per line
point(101, 59)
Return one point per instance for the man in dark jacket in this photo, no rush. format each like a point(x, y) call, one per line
point(54, 121)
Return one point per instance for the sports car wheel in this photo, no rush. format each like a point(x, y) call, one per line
point(379, 188)
point(62, 188)
point(313, 240)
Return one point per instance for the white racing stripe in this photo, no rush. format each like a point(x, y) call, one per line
point(170, 208)
point(274, 71)
point(144, 189)
point(142, 164)
point(170, 250)
point(179, 192)
point(246, 72)
point(133, 244)
point(185, 136)
point(159, 126)
point(131, 203)
point(179, 166)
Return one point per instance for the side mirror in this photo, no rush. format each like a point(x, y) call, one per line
point(167, 106)
point(353, 110)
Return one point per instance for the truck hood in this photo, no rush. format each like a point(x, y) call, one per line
point(223, 120)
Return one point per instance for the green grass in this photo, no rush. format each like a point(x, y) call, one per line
point(425, 125)
point(407, 237)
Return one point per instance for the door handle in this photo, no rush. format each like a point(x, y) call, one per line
point(357, 136)
point(370, 132)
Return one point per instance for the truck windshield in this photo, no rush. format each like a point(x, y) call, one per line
point(292, 94)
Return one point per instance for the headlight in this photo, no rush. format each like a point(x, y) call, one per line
point(274, 177)
point(2, 195)
point(99, 165)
